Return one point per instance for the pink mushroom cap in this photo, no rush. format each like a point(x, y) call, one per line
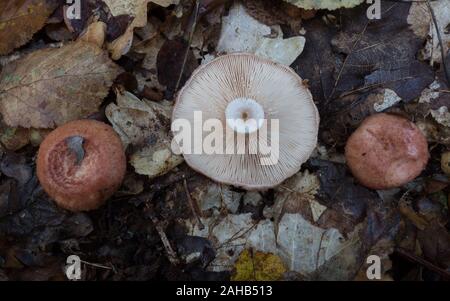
point(386, 151)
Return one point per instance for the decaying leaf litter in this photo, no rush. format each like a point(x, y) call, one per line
point(123, 62)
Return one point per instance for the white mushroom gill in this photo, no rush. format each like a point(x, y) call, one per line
point(248, 86)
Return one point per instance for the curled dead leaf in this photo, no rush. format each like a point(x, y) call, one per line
point(136, 9)
point(95, 33)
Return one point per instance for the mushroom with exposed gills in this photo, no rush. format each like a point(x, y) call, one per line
point(81, 164)
point(250, 95)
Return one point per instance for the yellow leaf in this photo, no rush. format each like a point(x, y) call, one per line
point(258, 266)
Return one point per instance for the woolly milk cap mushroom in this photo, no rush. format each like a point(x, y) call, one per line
point(249, 97)
point(386, 151)
point(81, 164)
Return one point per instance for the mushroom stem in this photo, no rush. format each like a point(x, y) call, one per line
point(244, 115)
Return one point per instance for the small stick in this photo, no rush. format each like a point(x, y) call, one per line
point(191, 36)
point(97, 265)
point(419, 260)
point(170, 252)
point(194, 206)
point(352, 50)
point(433, 16)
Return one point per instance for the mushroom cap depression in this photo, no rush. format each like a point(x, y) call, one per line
point(386, 151)
point(81, 183)
point(246, 86)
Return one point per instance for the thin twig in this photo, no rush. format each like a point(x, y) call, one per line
point(345, 61)
point(194, 206)
point(236, 236)
point(373, 86)
point(441, 44)
point(170, 252)
point(191, 36)
point(419, 260)
point(320, 248)
point(97, 265)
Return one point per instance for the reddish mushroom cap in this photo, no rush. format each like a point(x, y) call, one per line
point(80, 184)
point(386, 151)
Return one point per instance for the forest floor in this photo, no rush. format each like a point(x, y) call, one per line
point(168, 222)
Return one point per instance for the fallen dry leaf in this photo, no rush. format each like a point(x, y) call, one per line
point(433, 49)
point(135, 120)
point(297, 195)
point(271, 13)
point(346, 68)
point(303, 248)
point(170, 64)
point(154, 161)
point(243, 33)
point(419, 19)
point(445, 163)
point(212, 197)
point(136, 9)
point(422, 24)
point(145, 125)
point(14, 138)
point(151, 49)
point(20, 20)
point(435, 243)
point(53, 86)
point(165, 3)
point(95, 34)
point(325, 4)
